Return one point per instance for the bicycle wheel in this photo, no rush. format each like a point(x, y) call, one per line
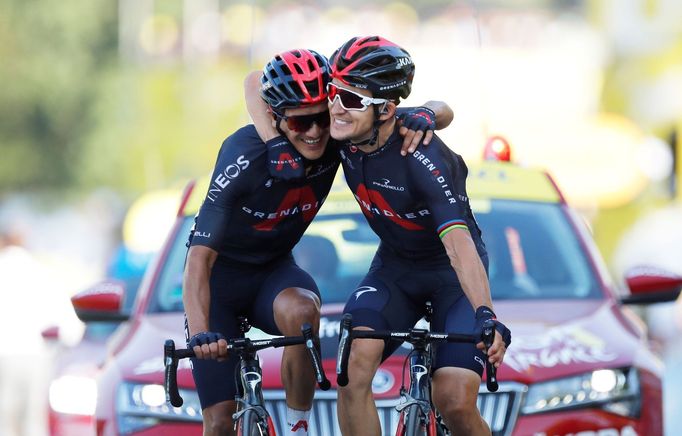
point(413, 423)
point(250, 424)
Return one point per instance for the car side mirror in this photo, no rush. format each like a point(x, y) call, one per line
point(101, 302)
point(649, 284)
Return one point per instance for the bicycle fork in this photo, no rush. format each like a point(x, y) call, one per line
point(417, 399)
point(251, 379)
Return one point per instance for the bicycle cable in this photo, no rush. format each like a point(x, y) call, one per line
point(402, 373)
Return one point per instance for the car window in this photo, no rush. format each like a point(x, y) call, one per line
point(336, 251)
point(168, 292)
point(533, 252)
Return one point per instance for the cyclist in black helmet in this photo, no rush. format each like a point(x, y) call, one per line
point(431, 247)
point(261, 199)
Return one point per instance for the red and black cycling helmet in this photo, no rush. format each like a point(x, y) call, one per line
point(295, 78)
point(376, 64)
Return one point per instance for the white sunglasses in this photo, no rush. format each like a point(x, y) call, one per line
point(350, 100)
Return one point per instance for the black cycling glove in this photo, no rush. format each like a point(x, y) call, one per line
point(484, 313)
point(204, 338)
point(419, 118)
point(284, 161)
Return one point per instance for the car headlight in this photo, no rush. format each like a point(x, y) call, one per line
point(614, 390)
point(139, 406)
point(71, 394)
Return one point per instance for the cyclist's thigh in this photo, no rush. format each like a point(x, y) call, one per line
point(453, 313)
point(278, 277)
point(230, 285)
point(379, 303)
point(215, 380)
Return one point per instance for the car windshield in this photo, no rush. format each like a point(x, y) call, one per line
point(533, 250)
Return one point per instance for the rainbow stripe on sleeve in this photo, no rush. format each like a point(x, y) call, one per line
point(449, 225)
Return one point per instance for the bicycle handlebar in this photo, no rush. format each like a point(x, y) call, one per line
point(172, 355)
point(315, 358)
point(347, 335)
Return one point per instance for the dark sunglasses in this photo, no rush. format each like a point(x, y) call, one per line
point(303, 123)
point(351, 101)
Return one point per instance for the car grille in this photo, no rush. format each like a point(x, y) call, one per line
point(499, 410)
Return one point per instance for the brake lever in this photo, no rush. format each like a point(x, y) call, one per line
point(488, 337)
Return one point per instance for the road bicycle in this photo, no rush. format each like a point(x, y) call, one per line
point(251, 417)
point(418, 416)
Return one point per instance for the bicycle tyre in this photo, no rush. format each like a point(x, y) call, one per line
point(250, 424)
point(414, 423)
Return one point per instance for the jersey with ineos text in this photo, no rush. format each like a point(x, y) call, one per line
point(249, 216)
point(409, 201)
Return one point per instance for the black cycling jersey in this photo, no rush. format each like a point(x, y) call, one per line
point(409, 201)
point(249, 216)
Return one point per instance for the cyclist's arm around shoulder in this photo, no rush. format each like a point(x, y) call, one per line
point(417, 124)
point(444, 113)
point(258, 109)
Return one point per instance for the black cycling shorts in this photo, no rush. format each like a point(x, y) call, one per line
point(393, 296)
point(242, 290)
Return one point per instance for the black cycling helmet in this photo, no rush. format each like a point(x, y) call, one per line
point(376, 64)
point(295, 78)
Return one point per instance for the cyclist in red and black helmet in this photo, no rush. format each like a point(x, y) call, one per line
point(295, 78)
point(377, 65)
point(261, 199)
point(258, 205)
point(431, 247)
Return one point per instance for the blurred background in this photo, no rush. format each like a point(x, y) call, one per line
point(108, 107)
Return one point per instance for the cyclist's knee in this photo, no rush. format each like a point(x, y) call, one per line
point(363, 362)
point(454, 393)
point(456, 409)
point(295, 306)
point(218, 420)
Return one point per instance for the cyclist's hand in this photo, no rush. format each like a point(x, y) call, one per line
point(209, 345)
point(416, 124)
point(499, 348)
point(502, 335)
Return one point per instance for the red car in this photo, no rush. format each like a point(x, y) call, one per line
point(579, 362)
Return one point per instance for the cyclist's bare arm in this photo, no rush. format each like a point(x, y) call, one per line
point(259, 111)
point(471, 274)
point(263, 121)
point(196, 297)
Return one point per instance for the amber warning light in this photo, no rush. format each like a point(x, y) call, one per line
point(497, 148)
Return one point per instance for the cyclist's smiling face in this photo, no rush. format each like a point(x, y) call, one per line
point(312, 142)
point(350, 125)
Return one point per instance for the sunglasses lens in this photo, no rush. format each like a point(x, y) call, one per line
point(349, 100)
point(302, 123)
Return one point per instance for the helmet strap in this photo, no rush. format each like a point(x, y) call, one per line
point(278, 120)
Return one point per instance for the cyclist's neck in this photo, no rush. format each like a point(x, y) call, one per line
point(385, 131)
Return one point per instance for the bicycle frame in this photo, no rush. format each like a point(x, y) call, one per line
point(251, 398)
point(418, 395)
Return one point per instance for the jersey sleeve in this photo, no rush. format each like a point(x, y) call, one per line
point(229, 180)
point(439, 177)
